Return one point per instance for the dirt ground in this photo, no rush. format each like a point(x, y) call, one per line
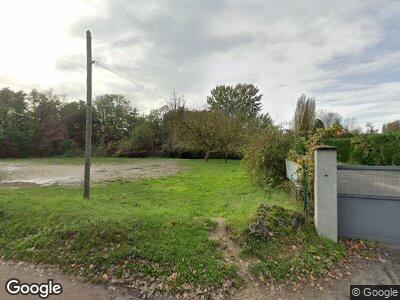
point(19, 174)
point(231, 254)
point(384, 271)
point(73, 288)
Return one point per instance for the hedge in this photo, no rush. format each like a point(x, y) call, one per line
point(343, 146)
point(368, 149)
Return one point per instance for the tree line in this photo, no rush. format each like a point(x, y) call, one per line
point(44, 124)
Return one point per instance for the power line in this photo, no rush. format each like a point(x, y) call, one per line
point(143, 87)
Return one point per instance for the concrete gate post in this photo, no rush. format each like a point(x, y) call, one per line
point(325, 192)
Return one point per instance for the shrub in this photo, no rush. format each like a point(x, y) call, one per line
point(368, 149)
point(376, 149)
point(274, 221)
point(343, 146)
point(108, 149)
point(126, 149)
point(283, 247)
point(264, 158)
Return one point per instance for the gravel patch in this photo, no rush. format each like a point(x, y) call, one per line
point(15, 174)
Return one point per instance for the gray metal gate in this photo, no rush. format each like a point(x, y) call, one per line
point(369, 202)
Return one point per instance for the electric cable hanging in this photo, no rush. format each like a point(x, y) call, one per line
point(101, 65)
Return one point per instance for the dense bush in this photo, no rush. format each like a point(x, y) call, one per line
point(264, 158)
point(343, 146)
point(376, 149)
point(368, 149)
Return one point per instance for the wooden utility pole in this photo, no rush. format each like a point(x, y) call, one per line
point(88, 140)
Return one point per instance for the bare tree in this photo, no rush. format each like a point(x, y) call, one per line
point(370, 128)
point(176, 102)
point(329, 118)
point(351, 126)
point(304, 117)
point(391, 126)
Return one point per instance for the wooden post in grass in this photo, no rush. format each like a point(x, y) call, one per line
point(88, 138)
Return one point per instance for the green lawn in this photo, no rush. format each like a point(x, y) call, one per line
point(157, 231)
point(154, 230)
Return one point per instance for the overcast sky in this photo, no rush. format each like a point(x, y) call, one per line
point(344, 53)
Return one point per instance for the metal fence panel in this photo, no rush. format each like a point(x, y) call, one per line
point(369, 181)
point(369, 202)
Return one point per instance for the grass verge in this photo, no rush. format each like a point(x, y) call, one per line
point(154, 234)
point(286, 248)
point(151, 231)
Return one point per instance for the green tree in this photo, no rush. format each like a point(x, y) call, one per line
point(145, 138)
point(318, 124)
point(73, 115)
point(14, 124)
point(242, 100)
point(115, 118)
point(264, 157)
point(48, 131)
point(199, 130)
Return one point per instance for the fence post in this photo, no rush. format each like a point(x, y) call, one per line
point(325, 192)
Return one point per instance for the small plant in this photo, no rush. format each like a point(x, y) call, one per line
point(303, 154)
point(273, 221)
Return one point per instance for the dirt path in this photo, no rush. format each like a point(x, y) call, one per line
point(231, 252)
point(72, 287)
point(19, 174)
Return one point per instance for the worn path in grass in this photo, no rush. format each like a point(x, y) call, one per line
point(231, 253)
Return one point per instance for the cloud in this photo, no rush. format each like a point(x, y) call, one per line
point(71, 63)
point(345, 53)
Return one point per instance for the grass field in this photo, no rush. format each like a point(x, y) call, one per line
point(153, 232)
